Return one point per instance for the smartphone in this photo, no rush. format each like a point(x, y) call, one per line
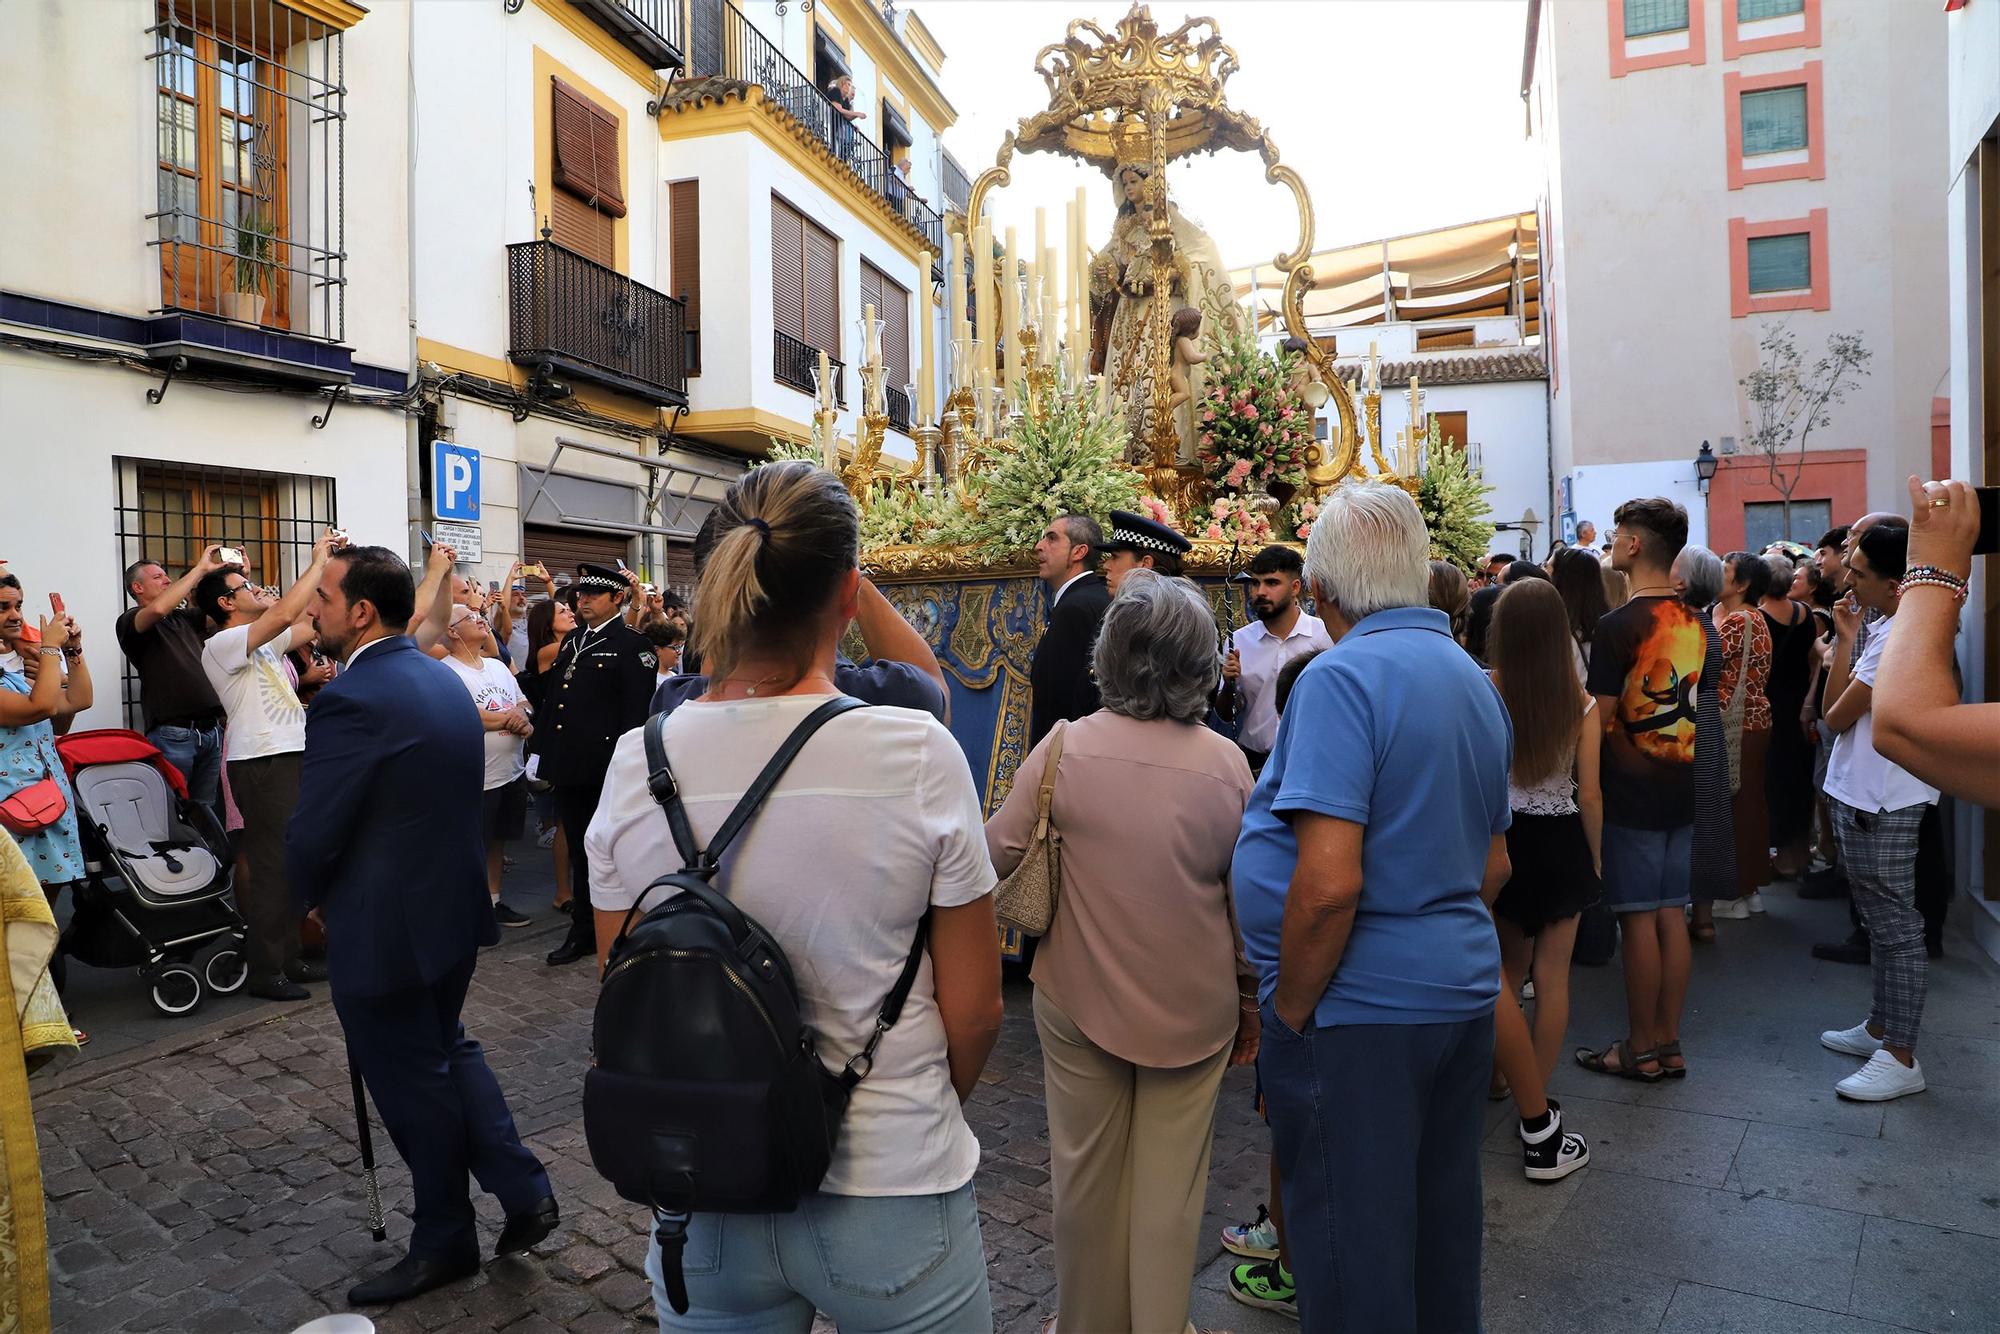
point(56, 605)
point(229, 555)
point(429, 541)
point(493, 585)
point(1988, 541)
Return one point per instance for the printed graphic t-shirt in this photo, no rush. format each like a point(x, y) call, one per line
point(494, 690)
point(1646, 657)
point(265, 716)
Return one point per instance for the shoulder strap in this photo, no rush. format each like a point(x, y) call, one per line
point(1045, 798)
point(660, 781)
point(857, 1068)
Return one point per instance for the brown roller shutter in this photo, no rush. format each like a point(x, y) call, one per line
point(586, 150)
point(822, 291)
point(684, 209)
point(788, 270)
point(578, 226)
point(871, 287)
point(563, 549)
point(895, 310)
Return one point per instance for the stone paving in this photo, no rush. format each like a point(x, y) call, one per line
point(207, 1180)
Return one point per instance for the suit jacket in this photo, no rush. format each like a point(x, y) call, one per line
point(1060, 670)
point(595, 693)
point(386, 839)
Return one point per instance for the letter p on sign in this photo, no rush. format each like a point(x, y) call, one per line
point(455, 482)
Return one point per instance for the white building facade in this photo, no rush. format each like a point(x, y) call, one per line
point(205, 311)
point(1715, 168)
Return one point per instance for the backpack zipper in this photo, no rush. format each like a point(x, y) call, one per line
point(735, 980)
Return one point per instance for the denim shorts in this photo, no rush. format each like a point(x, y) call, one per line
point(1647, 868)
point(905, 1263)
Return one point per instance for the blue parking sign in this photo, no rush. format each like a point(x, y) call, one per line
point(454, 482)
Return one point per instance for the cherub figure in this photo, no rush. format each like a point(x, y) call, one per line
point(1187, 352)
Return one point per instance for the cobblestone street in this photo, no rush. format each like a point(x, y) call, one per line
point(207, 1180)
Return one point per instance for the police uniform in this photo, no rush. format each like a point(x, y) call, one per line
point(599, 688)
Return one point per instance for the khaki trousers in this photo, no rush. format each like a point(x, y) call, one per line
point(1128, 1148)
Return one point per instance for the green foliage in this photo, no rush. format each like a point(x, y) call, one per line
point(784, 451)
point(255, 268)
point(1452, 498)
point(907, 517)
point(1789, 400)
point(1071, 461)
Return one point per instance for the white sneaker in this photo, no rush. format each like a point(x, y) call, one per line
point(1528, 990)
point(1855, 1041)
point(1735, 910)
point(1756, 901)
point(1883, 1078)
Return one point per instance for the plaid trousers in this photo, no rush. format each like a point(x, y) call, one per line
point(1879, 849)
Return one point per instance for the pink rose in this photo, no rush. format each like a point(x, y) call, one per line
point(1264, 429)
point(1250, 412)
point(1208, 414)
point(1305, 530)
point(1220, 509)
point(1214, 533)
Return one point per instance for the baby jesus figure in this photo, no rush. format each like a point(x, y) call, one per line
point(1187, 323)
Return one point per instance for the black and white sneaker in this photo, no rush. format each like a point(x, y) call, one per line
point(1552, 1153)
point(508, 917)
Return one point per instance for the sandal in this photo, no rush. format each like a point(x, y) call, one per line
point(1498, 1093)
point(1628, 1065)
point(1701, 931)
point(1668, 1051)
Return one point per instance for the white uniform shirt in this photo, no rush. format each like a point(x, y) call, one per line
point(1857, 774)
point(1263, 657)
point(876, 820)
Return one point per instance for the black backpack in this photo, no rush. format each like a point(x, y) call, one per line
point(706, 1092)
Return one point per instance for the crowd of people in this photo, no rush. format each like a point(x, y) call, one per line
point(1356, 847)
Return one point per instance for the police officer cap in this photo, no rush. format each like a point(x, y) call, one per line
point(600, 579)
point(1134, 532)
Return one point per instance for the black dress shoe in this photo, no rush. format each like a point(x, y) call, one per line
point(299, 970)
point(409, 1277)
point(1824, 885)
point(279, 988)
point(1852, 950)
point(528, 1229)
point(570, 951)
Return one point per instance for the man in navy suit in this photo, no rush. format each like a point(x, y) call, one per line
point(386, 847)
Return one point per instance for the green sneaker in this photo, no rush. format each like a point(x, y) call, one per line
point(1266, 1284)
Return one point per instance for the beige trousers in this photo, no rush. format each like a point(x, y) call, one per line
point(1128, 1147)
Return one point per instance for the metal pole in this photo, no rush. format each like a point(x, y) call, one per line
point(375, 1227)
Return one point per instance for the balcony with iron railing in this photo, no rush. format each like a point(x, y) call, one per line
point(573, 315)
point(957, 185)
point(795, 362)
point(899, 410)
point(722, 43)
point(650, 29)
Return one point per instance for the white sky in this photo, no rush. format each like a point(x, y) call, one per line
point(1401, 115)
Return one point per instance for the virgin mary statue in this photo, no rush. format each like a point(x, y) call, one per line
point(1123, 325)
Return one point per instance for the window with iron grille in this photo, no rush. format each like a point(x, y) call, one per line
point(251, 116)
point(1644, 18)
point(1780, 263)
point(171, 512)
point(1750, 10)
point(1774, 120)
point(1764, 522)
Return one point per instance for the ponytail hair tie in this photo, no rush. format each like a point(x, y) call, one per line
point(760, 526)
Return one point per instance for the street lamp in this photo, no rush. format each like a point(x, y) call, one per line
point(1705, 464)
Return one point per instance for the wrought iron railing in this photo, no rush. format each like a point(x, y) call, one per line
point(576, 315)
point(899, 410)
point(725, 44)
point(649, 28)
point(795, 362)
point(957, 185)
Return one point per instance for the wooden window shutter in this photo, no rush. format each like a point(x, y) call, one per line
point(788, 270)
point(822, 291)
point(871, 288)
point(586, 150)
point(684, 208)
point(578, 226)
point(895, 311)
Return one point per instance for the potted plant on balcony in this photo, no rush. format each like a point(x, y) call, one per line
point(255, 270)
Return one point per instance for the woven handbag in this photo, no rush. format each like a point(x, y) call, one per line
point(1027, 897)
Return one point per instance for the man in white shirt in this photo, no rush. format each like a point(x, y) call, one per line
point(263, 737)
point(504, 716)
point(1260, 650)
point(1877, 809)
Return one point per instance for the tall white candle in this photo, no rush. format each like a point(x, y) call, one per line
point(954, 289)
point(1047, 355)
point(926, 343)
point(1010, 312)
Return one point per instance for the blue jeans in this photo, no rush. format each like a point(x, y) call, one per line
point(197, 753)
point(1377, 1129)
point(882, 1263)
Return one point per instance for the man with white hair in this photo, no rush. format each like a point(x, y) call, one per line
point(1376, 831)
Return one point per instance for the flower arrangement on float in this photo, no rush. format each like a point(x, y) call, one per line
point(1252, 428)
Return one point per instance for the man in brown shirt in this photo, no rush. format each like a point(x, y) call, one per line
point(161, 636)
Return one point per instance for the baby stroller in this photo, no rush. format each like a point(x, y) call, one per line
point(158, 873)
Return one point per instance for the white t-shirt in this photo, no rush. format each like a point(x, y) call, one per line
point(265, 716)
point(494, 691)
point(1857, 774)
point(876, 820)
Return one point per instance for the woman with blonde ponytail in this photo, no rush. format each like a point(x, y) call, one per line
point(875, 825)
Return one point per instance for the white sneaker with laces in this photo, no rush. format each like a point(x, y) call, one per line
point(1855, 1041)
point(1883, 1078)
point(1735, 910)
point(1755, 903)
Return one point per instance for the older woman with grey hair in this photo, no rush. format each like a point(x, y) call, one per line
point(1698, 577)
point(1142, 998)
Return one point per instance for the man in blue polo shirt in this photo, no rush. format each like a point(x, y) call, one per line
point(1379, 821)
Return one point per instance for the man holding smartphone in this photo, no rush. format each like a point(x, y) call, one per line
point(161, 636)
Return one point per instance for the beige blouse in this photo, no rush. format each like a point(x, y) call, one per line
point(1143, 953)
